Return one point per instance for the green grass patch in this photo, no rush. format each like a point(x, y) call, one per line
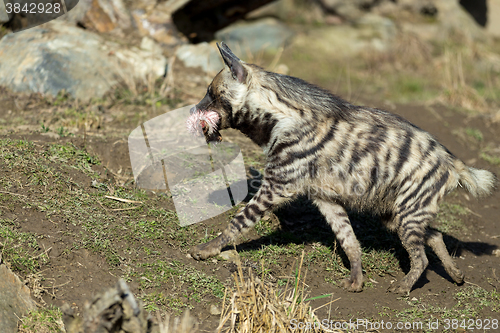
point(474, 134)
point(185, 284)
point(272, 254)
point(42, 320)
point(20, 249)
point(471, 301)
point(449, 217)
point(490, 157)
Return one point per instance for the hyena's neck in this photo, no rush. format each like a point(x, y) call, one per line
point(279, 103)
point(255, 122)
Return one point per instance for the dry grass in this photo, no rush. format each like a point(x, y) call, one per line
point(407, 52)
point(186, 324)
point(256, 306)
point(456, 90)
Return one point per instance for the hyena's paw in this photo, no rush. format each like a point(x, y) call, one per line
point(204, 251)
point(401, 287)
point(455, 273)
point(353, 284)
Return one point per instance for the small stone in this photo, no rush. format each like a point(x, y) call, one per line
point(52, 135)
point(214, 310)
point(496, 253)
point(230, 255)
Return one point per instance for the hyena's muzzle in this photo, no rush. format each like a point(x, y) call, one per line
point(206, 121)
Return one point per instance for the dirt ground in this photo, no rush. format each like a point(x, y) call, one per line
point(75, 271)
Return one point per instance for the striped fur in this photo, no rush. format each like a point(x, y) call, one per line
point(344, 157)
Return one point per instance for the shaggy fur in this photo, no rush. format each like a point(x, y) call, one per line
point(344, 157)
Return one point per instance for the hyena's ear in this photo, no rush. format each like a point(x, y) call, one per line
point(233, 62)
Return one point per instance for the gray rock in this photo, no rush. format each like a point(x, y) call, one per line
point(350, 10)
point(493, 23)
point(450, 19)
point(157, 25)
point(383, 28)
point(453, 18)
point(264, 34)
point(214, 310)
point(56, 56)
point(106, 15)
point(77, 14)
point(3, 13)
point(230, 255)
point(202, 55)
point(15, 300)
point(308, 12)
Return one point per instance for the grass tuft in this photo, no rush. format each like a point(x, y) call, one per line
point(42, 320)
point(255, 306)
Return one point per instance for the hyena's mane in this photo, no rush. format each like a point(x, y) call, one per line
point(303, 96)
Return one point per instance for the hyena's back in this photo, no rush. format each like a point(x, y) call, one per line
point(374, 161)
point(342, 156)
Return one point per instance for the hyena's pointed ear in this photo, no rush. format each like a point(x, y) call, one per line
point(233, 62)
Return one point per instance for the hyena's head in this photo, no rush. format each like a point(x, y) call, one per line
point(225, 95)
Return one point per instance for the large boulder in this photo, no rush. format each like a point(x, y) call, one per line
point(453, 18)
point(202, 55)
point(3, 13)
point(105, 15)
point(57, 56)
point(158, 25)
point(199, 20)
point(493, 21)
point(253, 37)
point(15, 299)
point(351, 10)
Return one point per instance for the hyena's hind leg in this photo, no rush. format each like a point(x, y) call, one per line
point(434, 239)
point(266, 198)
point(411, 231)
point(338, 220)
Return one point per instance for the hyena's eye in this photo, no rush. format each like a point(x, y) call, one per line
point(210, 96)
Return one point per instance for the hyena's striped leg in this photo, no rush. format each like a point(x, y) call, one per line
point(435, 240)
point(338, 220)
point(411, 231)
point(268, 197)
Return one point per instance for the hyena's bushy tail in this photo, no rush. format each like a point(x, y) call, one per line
point(478, 182)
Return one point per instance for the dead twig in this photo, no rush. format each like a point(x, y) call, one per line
point(19, 195)
point(117, 209)
point(123, 200)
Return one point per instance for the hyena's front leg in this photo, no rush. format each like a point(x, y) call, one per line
point(268, 197)
point(338, 220)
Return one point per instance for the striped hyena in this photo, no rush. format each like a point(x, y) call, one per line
point(343, 156)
